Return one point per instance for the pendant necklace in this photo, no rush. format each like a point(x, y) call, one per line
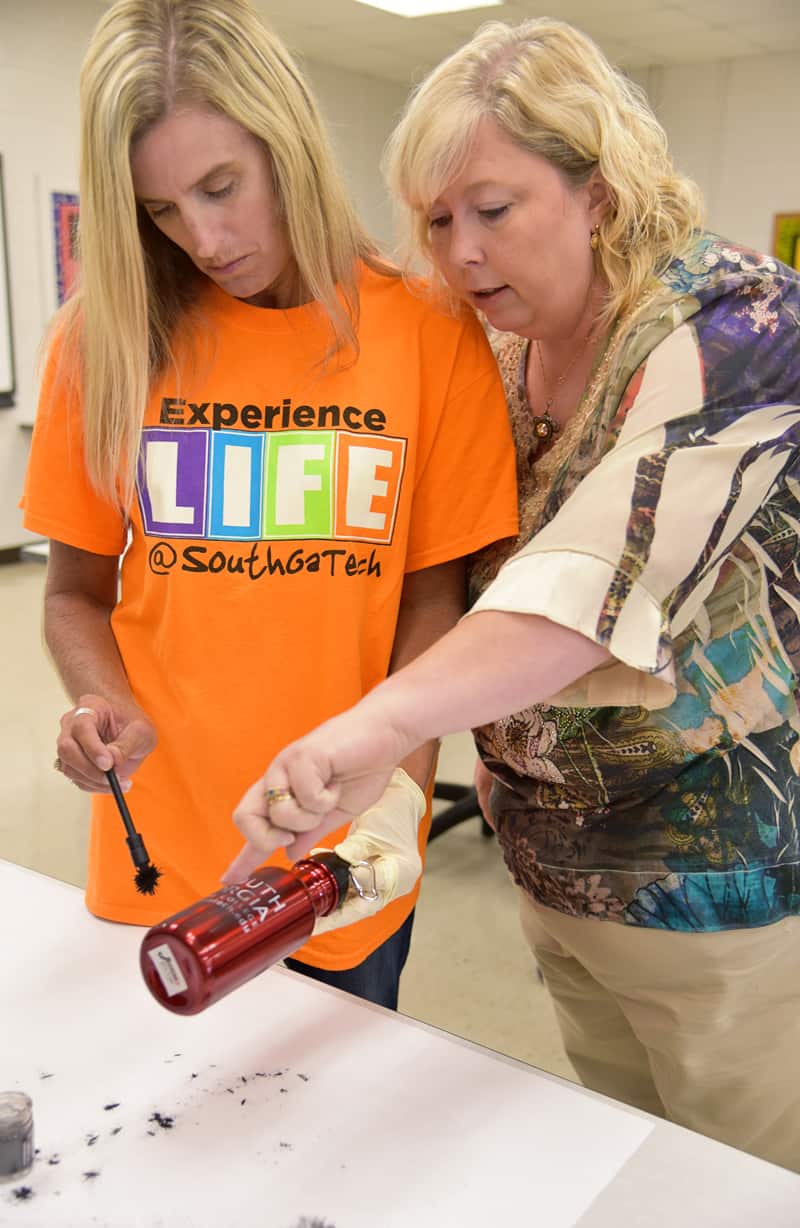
point(545, 425)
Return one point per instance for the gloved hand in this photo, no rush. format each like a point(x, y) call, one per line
point(386, 832)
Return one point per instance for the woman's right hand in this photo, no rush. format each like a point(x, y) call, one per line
point(95, 737)
point(318, 783)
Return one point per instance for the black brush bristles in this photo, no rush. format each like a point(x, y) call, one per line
point(147, 879)
point(147, 876)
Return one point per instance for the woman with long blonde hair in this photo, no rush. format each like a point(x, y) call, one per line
point(629, 663)
point(247, 405)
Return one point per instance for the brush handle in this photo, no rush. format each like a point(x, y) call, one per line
point(135, 843)
point(138, 852)
point(122, 806)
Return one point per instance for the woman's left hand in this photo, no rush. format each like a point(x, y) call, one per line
point(483, 787)
point(317, 784)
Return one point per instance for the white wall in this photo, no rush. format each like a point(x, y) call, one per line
point(42, 43)
point(40, 49)
point(731, 126)
point(360, 113)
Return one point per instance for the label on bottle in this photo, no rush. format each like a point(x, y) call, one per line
point(251, 903)
point(168, 970)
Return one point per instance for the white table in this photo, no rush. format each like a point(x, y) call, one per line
point(293, 1104)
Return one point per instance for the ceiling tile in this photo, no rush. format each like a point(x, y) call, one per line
point(373, 24)
point(465, 24)
point(432, 41)
point(742, 12)
point(634, 33)
point(636, 26)
point(379, 62)
point(310, 12)
point(772, 36)
point(698, 46)
point(577, 11)
point(625, 54)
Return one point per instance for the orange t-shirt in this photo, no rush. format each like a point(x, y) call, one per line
point(280, 502)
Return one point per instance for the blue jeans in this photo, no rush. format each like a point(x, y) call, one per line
point(377, 978)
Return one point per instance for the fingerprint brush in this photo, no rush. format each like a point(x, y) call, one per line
point(147, 875)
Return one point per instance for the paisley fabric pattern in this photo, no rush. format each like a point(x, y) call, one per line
point(664, 790)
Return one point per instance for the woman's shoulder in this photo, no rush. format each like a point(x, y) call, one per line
point(386, 280)
point(728, 292)
point(412, 301)
point(713, 267)
point(721, 319)
point(407, 291)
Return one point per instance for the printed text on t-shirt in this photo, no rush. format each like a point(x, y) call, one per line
point(230, 485)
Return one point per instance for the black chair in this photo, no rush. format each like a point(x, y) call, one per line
point(465, 806)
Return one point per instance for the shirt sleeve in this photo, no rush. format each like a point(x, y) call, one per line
point(59, 500)
point(635, 551)
point(465, 492)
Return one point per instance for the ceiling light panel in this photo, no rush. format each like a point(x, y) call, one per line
point(428, 8)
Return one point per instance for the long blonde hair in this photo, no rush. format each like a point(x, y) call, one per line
point(552, 91)
point(145, 58)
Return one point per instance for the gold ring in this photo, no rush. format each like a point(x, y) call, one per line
point(57, 764)
point(278, 795)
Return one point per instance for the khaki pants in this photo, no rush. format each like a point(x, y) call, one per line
point(703, 1029)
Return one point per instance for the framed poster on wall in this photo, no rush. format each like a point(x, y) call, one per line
point(786, 238)
point(64, 213)
point(57, 206)
point(7, 373)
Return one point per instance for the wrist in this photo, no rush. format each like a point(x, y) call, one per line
point(389, 708)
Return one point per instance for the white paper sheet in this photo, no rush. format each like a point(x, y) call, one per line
point(289, 1102)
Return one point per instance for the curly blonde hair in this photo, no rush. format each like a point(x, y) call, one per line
point(552, 91)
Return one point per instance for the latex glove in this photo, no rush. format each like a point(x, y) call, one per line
point(386, 832)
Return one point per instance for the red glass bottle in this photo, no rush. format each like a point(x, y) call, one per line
point(200, 954)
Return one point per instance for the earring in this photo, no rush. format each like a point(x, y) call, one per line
point(594, 241)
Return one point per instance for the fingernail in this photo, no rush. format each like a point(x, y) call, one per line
point(104, 762)
point(126, 785)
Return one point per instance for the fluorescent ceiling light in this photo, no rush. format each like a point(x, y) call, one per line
point(427, 8)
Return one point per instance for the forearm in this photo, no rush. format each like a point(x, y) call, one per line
point(80, 640)
point(80, 594)
point(490, 665)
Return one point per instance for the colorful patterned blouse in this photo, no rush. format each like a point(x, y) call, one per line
point(662, 789)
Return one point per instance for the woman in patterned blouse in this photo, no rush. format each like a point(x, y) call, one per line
point(630, 661)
